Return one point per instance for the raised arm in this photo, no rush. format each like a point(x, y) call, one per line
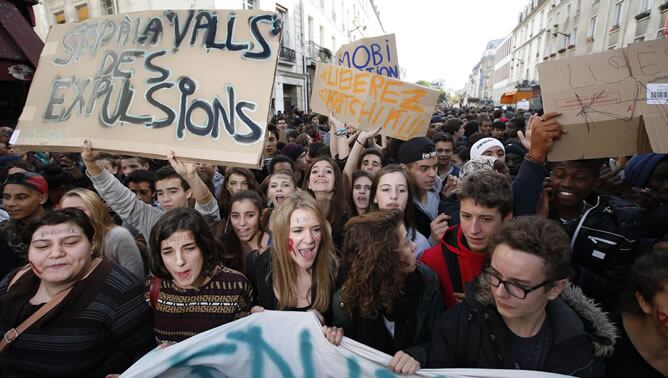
point(206, 203)
point(358, 146)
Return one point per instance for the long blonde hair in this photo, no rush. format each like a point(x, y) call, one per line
point(100, 217)
point(283, 270)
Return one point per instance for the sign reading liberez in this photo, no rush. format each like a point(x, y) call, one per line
point(366, 101)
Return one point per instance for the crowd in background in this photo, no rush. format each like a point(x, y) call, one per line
point(463, 248)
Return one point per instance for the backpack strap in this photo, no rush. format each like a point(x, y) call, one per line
point(154, 291)
point(452, 263)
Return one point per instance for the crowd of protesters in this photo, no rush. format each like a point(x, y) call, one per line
point(463, 248)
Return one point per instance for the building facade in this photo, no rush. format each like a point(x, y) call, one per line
point(479, 86)
point(312, 31)
point(556, 29)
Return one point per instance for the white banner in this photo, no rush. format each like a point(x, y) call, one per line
point(282, 344)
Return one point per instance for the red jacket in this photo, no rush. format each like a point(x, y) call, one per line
point(452, 257)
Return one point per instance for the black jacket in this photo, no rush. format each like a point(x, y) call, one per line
point(603, 242)
point(413, 335)
point(472, 335)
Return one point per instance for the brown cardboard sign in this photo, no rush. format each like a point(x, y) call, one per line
point(613, 103)
point(366, 101)
point(197, 82)
point(375, 54)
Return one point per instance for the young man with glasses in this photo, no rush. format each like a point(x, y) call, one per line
point(521, 313)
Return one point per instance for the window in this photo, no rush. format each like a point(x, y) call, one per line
point(568, 11)
point(322, 36)
point(573, 36)
point(285, 39)
point(333, 43)
point(540, 19)
point(59, 17)
point(645, 6)
point(617, 15)
point(248, 4)
point(578, 5)
point(82, 11)
point(334, 10)
point(531, 28)
point(311, 31)
point(108, 6)
point(592, 27)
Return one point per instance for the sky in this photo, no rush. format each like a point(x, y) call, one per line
point(444, 39)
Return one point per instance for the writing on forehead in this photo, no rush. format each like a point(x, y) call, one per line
point(60, 232)
point(180, 237)
point(303, 219)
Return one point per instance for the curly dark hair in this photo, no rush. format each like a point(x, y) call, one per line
point(374, 265)
point(184, 219)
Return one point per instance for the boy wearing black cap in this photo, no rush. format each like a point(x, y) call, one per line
point(419, 156)
point(23, 196)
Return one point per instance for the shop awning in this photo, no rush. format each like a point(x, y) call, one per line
point(515, 96)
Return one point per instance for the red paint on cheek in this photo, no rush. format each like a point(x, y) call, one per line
point(662, 318)
point(291, 245)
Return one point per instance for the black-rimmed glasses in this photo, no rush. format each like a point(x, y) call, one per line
point(511, 288)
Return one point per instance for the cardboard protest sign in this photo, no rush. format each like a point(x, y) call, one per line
point(613, 103)
point(376, 54)
point(197, 82)
point(366, 101)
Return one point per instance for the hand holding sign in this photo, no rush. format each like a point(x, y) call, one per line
point(89, 157)
point(185, 170)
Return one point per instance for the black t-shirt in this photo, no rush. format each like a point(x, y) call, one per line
point(627, 362)
point(530, 353)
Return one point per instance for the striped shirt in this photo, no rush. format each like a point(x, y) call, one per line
point(181, 313)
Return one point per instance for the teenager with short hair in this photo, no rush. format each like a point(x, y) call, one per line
point(445, 146)
point(142, 184)
point(603, 228)
point(522, 313)
point(23, 196)
point(486, 200)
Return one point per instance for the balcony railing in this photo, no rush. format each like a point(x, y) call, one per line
point(318, 53)
point(287, 54)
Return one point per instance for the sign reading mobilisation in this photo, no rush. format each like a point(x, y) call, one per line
point(197, 82)
point(613, 103)
point(376, 54)
point(366, 101)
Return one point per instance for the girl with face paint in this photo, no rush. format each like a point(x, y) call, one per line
point(642, 350)
point(297, 273)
